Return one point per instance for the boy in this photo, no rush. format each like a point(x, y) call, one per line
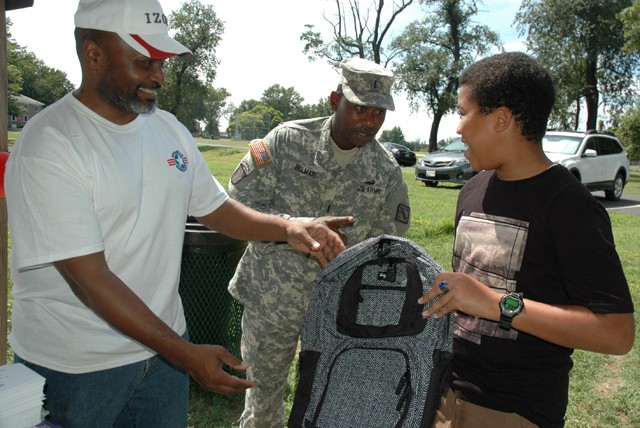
point(536, 273)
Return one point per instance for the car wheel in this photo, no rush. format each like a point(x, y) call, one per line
point(615, 193)
point(431, 183)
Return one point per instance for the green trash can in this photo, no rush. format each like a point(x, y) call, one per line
point(209, 260)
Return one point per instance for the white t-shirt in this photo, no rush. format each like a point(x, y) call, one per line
point(78, 184)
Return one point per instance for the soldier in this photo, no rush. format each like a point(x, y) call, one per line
point(305, 170)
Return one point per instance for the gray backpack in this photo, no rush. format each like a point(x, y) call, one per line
point(368, 358)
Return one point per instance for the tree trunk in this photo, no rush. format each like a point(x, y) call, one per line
point(591, 94)
point(433, 135)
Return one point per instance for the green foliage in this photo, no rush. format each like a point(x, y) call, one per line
point(257, 122)
point(287, 101)
point(629, 132)
point(188, 92)
point(630, 18)
point(393, 135)
point(214, 107)
point(583, 50)
point(320, 109)
point(30, 76)
point(434, 52)
point(14, 88)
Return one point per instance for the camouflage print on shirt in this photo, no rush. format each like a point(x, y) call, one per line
point(293, 173)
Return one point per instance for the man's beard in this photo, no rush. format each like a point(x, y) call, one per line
point(118, 98)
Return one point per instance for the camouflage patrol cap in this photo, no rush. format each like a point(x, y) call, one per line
point(367, 83)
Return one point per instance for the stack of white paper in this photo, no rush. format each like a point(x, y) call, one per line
point(21, 395)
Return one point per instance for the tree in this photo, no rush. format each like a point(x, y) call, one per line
point(286, 100)
point(630, 18)
point(30, 76)
point(14, 88)
point(393, 135)
point(583, 50)
point(320, 109)
point(256, 123)
point(629, 132)
point(357, 31)
point(215, 108)
point(433, 53)
point(188, 88)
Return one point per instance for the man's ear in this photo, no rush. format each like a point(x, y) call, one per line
point(503, 117)
point(334, 100)
point(91, 53)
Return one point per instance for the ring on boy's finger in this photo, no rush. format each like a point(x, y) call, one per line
point(444, 287)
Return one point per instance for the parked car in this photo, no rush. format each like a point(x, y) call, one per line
point(403, 155)
point(447, 164)
point(598, 160)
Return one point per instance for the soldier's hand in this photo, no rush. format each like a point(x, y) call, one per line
point(335, 223)
point(317, 238)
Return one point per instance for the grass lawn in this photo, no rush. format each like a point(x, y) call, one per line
point(604, 391)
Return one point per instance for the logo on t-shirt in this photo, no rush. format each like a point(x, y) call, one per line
point(178, 160)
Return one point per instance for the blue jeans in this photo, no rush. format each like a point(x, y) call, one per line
point(151, 393)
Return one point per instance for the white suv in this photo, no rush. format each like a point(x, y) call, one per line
point(598, 160)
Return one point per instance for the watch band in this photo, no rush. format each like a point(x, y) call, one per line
point(505, 322)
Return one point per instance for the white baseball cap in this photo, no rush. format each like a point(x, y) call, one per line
point(140, 23)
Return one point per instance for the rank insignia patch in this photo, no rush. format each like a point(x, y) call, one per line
point(403, 214)
point(260, 152)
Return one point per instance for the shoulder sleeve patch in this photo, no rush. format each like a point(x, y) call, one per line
point(403, 214)
point(238, 174)
point(260, 152)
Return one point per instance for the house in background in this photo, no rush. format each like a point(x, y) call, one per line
point(30, 108)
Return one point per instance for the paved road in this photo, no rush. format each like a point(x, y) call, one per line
point(629, 204)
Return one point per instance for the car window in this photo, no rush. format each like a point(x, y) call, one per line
point(561, 144)
point(607, 146)
point(455, 146)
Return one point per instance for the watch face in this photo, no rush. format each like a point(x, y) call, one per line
point(511, 304)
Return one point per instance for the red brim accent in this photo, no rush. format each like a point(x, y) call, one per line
point(4, 156)
point(153, 52)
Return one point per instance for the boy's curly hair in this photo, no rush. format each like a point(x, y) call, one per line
point(516, 81)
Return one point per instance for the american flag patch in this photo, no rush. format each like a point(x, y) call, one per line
point(173, 162)
point(178, 160)
point(260, 152)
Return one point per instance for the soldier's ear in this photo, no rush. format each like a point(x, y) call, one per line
point(334, 100)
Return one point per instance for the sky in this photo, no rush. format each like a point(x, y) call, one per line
point(260, 47)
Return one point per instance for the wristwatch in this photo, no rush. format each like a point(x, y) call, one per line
point(511, 304)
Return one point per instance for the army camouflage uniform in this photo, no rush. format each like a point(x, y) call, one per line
point(293, 173)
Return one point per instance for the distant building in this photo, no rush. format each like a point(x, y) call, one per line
point(30, 108)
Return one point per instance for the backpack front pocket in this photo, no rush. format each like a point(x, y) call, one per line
point(366, 387)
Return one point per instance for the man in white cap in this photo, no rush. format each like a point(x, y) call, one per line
point(99, 187)
point(305, 170)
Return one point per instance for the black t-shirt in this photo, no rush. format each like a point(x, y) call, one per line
point(548, 238)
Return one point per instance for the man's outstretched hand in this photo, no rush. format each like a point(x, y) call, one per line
point(321, 238)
